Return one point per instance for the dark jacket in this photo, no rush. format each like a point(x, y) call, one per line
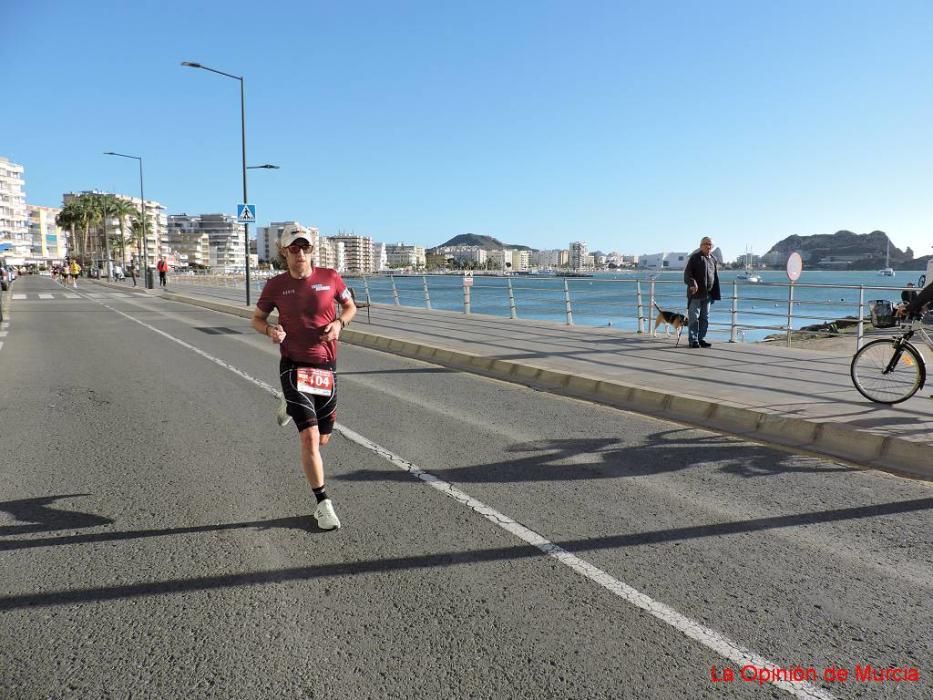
point(698, 269)
point(919, 301)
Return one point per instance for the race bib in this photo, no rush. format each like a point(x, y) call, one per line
point(319, 382)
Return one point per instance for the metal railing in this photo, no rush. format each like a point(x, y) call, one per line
point(746, 312)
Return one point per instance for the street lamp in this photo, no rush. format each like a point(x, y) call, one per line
point(191, 64)
point(147, 281)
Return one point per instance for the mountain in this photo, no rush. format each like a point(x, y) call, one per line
point(845, 250)
point(485, 242)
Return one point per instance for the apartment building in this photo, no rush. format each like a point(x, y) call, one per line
point(49, 241)
point(663, 261)
point(463, 254)
point(357, 253)
point(226, 248)
point(579, 256)
point(401, 255)
point(15, 239)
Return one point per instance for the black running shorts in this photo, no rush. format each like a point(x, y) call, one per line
point(310, 393)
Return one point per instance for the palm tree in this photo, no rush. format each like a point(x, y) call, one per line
point(122, 208)
point(69, 217)
point(136, 224)
point(89, 213)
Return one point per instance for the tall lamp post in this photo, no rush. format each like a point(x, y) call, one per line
point(147, 281)
point(190, 64)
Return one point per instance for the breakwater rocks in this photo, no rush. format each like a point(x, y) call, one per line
point(841, 326)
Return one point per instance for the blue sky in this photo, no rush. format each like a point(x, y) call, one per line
point(635, 126)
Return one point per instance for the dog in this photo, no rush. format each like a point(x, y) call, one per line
point(670, 320)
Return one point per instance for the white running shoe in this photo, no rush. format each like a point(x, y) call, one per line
point(281, 414)
point(325, 515)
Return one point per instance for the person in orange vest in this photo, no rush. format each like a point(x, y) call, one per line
point(162, 267)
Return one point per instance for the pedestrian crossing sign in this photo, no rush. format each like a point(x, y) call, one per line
point(246, 213)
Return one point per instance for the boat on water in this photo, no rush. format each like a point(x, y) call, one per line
point(572, 274)
point(887, 270)
point(749, 275)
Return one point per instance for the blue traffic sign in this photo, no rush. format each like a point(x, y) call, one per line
point(246, 213)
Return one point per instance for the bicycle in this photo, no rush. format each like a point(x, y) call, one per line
point(890, 370)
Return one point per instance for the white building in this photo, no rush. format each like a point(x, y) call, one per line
point(49, 241)
point(226, 244)
point(381, 256)
point(464, 254)
point(548, 258)
point(663, 261)
point(357, 253)
point(579, 255)
point(406, 256)
point(15, 239)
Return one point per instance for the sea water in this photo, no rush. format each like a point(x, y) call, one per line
point(612, 298)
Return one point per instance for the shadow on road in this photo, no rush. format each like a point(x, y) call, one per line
point(46, 519)
point(307, 573)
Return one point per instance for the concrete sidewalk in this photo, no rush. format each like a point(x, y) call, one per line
point(787, 396)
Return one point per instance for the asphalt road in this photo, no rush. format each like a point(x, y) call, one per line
point(497, 542)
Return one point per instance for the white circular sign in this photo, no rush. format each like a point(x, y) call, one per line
point(794, 267)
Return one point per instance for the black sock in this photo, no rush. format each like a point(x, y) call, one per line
point(320, 494)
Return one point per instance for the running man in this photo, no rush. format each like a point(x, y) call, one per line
point(307, 334)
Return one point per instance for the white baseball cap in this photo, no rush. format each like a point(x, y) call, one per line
point(292, 233)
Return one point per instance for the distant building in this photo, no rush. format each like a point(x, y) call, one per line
point(405, 256)
point(579, 256)
point(357, 253)
point(49, 241)
point(663, 261)
point(225, 237)
point(549, 258)
point(380, 256)
point(464, 255)
point(15, 238)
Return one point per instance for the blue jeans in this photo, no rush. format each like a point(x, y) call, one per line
point(697, 319)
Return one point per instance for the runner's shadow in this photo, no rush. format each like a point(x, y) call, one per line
point(44, 518)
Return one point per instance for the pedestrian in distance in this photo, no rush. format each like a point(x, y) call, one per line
point(132, 270)
point(701, 275)
point(307, 332)
point(74, 271)
point(162, 267)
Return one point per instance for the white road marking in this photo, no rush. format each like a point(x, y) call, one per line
point(1, 345)
point(710, 638)
point(3, 334)
point(46, 296)
point(17, 297)
point(72, 296)
point(5, 324)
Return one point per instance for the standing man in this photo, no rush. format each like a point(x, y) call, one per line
point(132, 268)
point(307, 334)
point(702, 279)
point(162, 267)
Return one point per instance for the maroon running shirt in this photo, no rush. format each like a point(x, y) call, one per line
point(305, 306)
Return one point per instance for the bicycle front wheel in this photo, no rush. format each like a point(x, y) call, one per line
point(878, 380)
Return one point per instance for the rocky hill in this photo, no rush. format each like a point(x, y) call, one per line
point(485, 242)
point(845, 250)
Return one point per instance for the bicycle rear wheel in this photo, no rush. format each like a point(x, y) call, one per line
point(870, 377)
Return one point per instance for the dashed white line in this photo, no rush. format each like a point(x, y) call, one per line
point(17, 297)
point(46, 296)
point(710, 638)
